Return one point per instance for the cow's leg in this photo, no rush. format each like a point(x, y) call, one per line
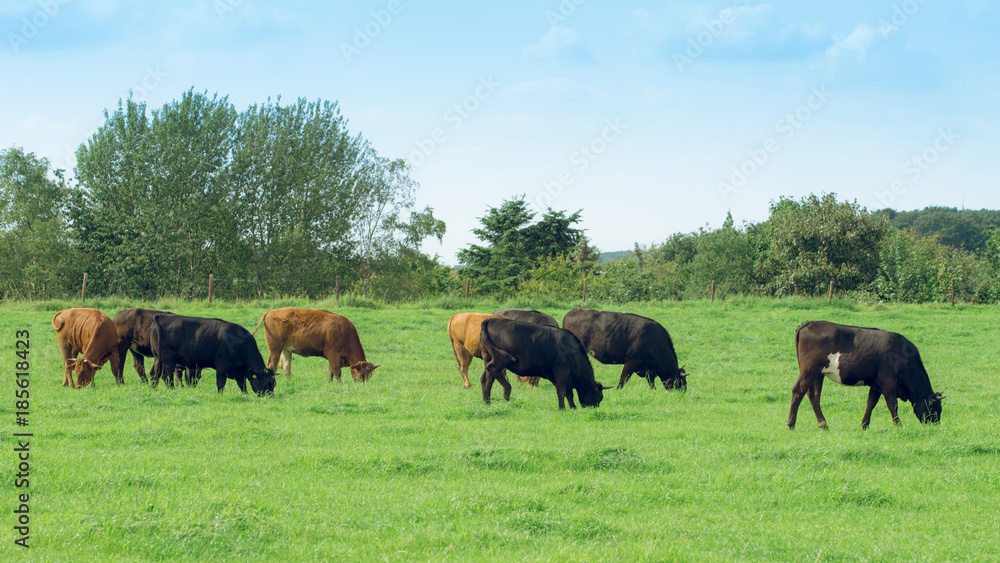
point(501, 376)
point(122, 355)
point(241, 380)
point(802, 386)
point(889, 391)
point(464, 359)
point(486, 382)
point(873, 396)
point(117, 362)
point(274, 350)
point(139, 363)
point(569, 397)
point(815, 391)
point(220, 379)
point(335, 368)
point(651, 379)
point(628, 369)
point(286, 363)
point(154, 373)
point(561, 395)
point(193, 375)
point(69, 355)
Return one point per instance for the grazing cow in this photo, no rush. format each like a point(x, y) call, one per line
point(133, 335)
point(463, 330)
point(528, 316)
point(308, 332)
point(886, 362)
point(642, 344)
point(91, 333)
point(534, 350)
point(226, 347)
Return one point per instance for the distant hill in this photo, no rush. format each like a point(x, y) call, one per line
point(612, 256)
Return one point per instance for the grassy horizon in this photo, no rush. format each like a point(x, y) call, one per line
point(411, 466)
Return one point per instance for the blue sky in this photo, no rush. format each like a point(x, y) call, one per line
point(651, 117)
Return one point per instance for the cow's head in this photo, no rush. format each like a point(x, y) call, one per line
point(84, 369)
point(362, 371)
point(262, 383)
point(679, 382)
point(928, 411)
point(591, 396)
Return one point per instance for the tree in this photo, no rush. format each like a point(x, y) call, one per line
point(816, 240)
point(37, 255)
point(515, 245)
point(298, 181)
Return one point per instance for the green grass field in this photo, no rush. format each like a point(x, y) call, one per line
point(411, 466)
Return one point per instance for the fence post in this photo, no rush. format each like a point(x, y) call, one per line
point(713, 291)
point(829, 298)
point(211, 279)
point(952, 293)
point(466, 288)
point(83, 290)
point(336, 290)
point(585, 290)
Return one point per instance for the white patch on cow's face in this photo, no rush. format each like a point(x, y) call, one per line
point(833, 370)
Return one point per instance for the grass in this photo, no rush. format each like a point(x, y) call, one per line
point(411, 466)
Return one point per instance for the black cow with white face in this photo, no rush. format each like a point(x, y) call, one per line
point(886, 362)
point(640, 343)
point(226, 347)
point(532, 350)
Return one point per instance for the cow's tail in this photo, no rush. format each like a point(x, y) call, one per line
point(57, 321)
point(254, 331)
point(484, 338)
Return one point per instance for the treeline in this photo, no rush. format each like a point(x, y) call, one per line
point(802, 247)
point(275, 200)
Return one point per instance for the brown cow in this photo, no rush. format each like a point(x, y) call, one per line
point(308, 332)
point(91, 333)
point(463, 330)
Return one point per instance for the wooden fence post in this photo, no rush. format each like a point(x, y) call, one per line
point(83, 290)
point(211, 279)
point(466, 288)
point(713, 291)
point(829, 298)
point(336, 290)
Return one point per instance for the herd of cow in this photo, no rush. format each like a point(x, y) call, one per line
point(528, 343)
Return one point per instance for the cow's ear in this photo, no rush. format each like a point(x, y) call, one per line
point(71, 364)
point(376, 366)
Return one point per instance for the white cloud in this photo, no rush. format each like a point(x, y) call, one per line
point(858, 41)
point(560, 42)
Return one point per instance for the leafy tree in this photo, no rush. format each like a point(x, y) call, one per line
point(816, 240)
point(515, 245)
point(37, 256)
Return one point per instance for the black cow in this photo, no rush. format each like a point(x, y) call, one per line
point(642, 344)
point(533, 350)
point(886, 362)
point(133, 336)
point(528, 316)
point(226, 347)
